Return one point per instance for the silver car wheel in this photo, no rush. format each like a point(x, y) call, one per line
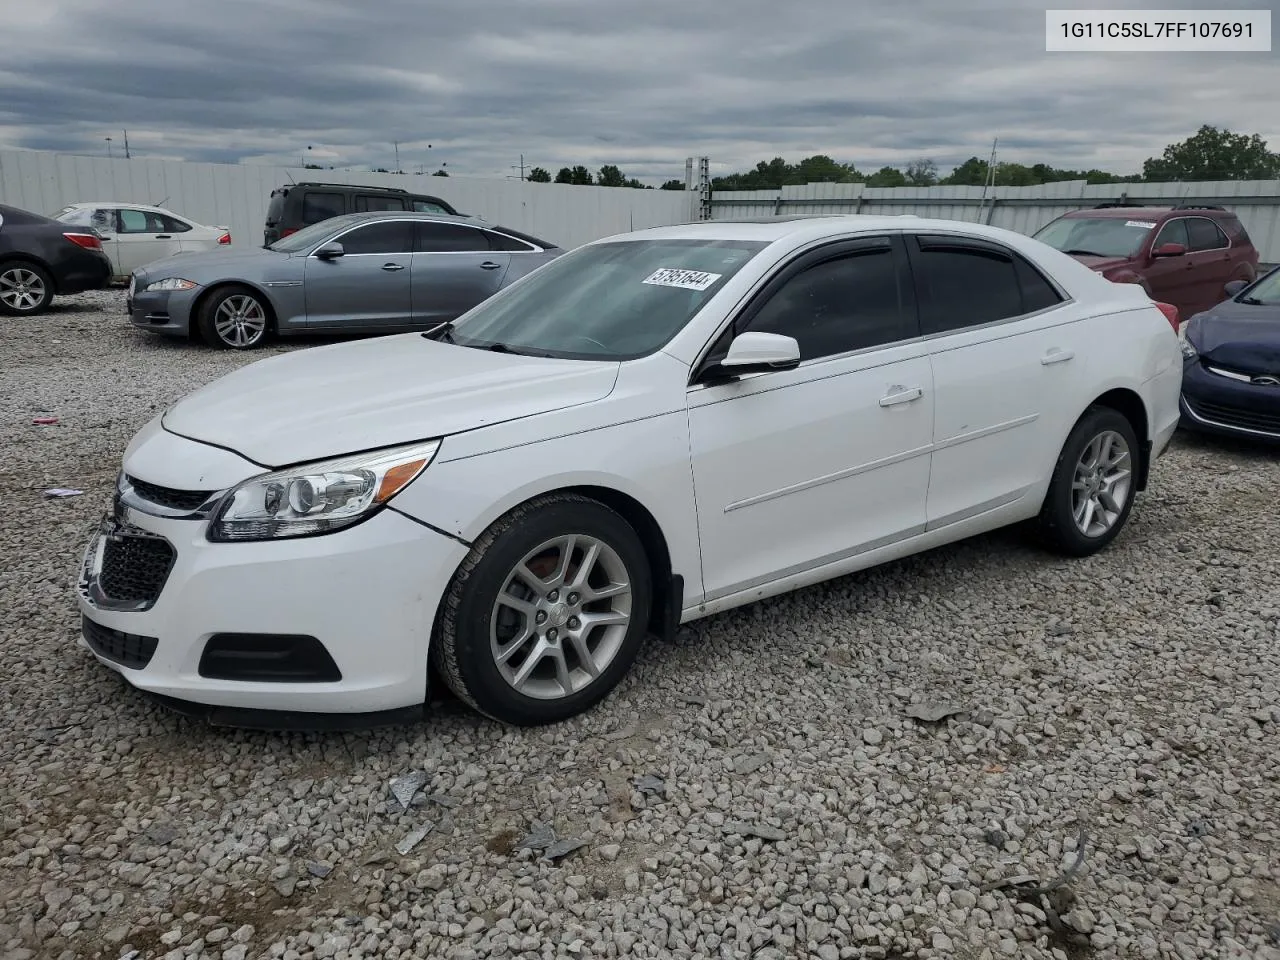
point(1102, 484)
point(240, 321)
point(21, 290)
point(561, 617)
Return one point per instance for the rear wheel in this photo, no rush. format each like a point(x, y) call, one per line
point(547, 613)
point(1093, 486)
point(234, 318)
point(25, 289)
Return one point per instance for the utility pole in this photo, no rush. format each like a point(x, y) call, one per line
point(397, 145)
point(126, 144)
point(108, 139)
point(990, 178)
point(522, 166)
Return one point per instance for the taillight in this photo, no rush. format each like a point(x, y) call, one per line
point(225, 239)
point(288, 230)
point(86, 240)
point(1170, 313)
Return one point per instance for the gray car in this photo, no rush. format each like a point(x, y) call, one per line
point(357, 273)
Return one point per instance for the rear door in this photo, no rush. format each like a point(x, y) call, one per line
point(453, 270)
point(367, 288)
point(1210, 253)
point(142, 237)
point(1008, 373)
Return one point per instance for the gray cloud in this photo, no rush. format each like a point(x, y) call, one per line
point(594, 82)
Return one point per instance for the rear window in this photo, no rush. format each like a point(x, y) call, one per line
point(318, 206)
point(374, 202)
point(426, 206)
point(275, 209)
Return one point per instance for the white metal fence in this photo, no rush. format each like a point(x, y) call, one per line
point(236, 195)
point(1024, 209)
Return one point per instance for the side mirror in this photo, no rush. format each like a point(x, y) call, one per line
point(330, 251)
point(1234, 287)
point(755, 353)
point(1168, 250)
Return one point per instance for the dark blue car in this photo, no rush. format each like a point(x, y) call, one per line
point(1231, 378)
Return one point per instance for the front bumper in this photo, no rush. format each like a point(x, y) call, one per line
point(162, 311)
point(367, 595)
point(1214, 404)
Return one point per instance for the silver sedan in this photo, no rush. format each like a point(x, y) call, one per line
point(358, 273)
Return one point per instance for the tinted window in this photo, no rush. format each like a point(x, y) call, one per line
point(321, 206)
point(1205, 234)
point(963, 287)
point(364, 204)
point(1175, 231)
point(275, 209)
point(527, 238)
point(448, 238)
point(425, 206)
point(847, 303)
point(377, 238)
point(498, 241)
point(170, 225)
point(1037, 292)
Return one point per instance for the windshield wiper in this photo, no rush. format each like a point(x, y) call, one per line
point(1083, 253)
point(1252, 301)
point(443, 330)
point(516, 351)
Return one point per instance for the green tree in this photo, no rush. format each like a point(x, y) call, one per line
point(441, 173)
point(380, 170)
point(635, 184)
point(672, 185)
point(971, 173)
point(564, 176)
point(887, 177)
point(921, 173)
point(1213, 154)
point(581, 176)
point(822, 169)
point(539, 175)
point(611, 176)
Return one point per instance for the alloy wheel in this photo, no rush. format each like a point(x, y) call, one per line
point(21, 290)
point(1102, 484)
point(240, 321)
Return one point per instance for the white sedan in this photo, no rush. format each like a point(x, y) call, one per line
point(134, 235)
point(651, 429)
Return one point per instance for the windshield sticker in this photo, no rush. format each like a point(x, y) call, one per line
point(1139, 223)
point(684, 279)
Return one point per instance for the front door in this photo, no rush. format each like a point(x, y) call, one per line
point(797, 469)
point(1171, 279)
point(367, 288)
point(453, 270)
point(141, 238)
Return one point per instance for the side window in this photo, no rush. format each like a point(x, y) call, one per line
point(499, 241)
point(103, 221)
point(849, 302)
point(365, 204)
point(1037, 292)
point(170, 225)
point(134, 221)
point(321, 206)
point(425, 206)
point(1175, 231)
point(964, 287)
point(383, 238)
point(447, 238)
point(1238, 231)
point(1205, 234)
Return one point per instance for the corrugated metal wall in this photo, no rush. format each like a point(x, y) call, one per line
point(236, 196)
point(1024, 209)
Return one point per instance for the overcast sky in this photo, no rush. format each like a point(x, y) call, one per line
point(640, 84)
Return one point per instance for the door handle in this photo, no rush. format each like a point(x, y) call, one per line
point(163, 236)
point(392, 267)
point(489, 265)
point(900, 394)
point(1057, 355)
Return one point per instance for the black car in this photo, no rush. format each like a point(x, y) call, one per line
point(40, 257)
point(299, 205)
point(1231, 379)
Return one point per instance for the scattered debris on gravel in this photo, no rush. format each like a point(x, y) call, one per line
point(785, 780)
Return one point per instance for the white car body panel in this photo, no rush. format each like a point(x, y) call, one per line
point(132, 251)
point(758, 486)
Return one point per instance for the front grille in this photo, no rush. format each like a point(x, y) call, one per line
point(1231, 416)
point(127, 649)
point(134, 569)
point(168, 497)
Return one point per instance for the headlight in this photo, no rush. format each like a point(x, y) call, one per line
point(318, 497)
point(1188, 351)
point(172, 283)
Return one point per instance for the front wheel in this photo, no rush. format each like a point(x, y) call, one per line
point(1094, 484)
point(547, 613)
point(234, 318)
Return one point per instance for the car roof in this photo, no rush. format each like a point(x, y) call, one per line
point(1151, 213)
point(88, 204)
point(418, 215)
point(801, 228)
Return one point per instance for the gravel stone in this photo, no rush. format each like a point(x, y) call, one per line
point(1133, 694)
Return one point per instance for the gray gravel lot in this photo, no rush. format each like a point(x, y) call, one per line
point(798, 810)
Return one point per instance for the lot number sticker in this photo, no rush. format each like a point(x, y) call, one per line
point(684, 279)
point(1139, 223)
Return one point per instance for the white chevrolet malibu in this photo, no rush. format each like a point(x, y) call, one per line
point(650, 429)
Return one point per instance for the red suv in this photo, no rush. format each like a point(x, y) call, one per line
point(1182, 255)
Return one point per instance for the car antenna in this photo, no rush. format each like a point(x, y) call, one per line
point(290, 176)
point(161, 203)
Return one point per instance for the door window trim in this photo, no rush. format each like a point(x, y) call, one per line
point(359, 226)
point(1221, 233)
point(1185, 231)
point(456, 253)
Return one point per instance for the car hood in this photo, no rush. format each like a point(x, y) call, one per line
point(1239, 336)
point(209, 264)
point(1100, 263)
point(328, 401)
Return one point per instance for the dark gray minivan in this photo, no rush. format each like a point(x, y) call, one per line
point(298, 205)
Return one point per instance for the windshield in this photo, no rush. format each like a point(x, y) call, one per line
point(607, 301)
point(308, 237)
point(1266, 291)
point(1097, 236)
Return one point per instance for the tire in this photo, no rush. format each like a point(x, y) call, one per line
point(235, 318)
point(474, 630)
point(1067, 511)
point(25, 289)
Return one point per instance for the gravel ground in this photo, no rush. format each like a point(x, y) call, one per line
point(797, 810)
